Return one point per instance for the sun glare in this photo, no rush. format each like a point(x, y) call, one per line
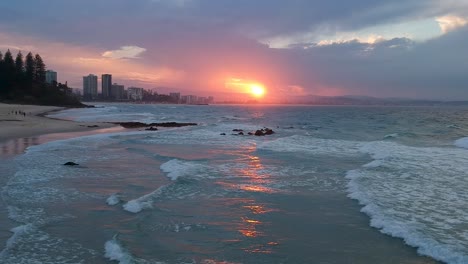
point(257, 90)
point(252, 88)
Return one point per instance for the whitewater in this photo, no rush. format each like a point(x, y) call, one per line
point(332, 184)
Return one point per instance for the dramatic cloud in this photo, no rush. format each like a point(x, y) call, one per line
point(125, 52)
point(451, 22)
point(413, 48)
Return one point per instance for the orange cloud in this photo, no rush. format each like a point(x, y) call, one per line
point(451, 22)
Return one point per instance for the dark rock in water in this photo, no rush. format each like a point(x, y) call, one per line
point(259, 133)
point(165, 124)
point(250, 133)
point(70, 163)
point(240, 133)
point(263, 132)
point(92, 126)
point(223, 134)
point(237, 130)
point(172, 124)
point(151, 129)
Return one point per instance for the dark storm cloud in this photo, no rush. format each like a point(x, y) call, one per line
point(104, 21)
point(434, 69)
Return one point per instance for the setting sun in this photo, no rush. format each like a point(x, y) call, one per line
point(257, 90)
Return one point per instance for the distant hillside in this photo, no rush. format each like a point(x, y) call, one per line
point(367, 100)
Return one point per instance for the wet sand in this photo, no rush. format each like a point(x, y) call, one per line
point(14, 124)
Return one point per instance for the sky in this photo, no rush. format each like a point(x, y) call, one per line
point(293, 48)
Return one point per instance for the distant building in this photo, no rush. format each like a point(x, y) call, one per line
point(51, 76)
point(106, 86)
point(117, 91)
point(183, 99)
point(210, 99)
point(135, 93)
point(90, 86)
point(175, 97)
point(192, 99)
point(202, 100)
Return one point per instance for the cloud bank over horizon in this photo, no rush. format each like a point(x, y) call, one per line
point(414, 48)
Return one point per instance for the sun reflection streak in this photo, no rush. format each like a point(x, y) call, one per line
point(248, 174)
point(250, 226)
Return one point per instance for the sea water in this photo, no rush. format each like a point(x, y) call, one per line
point(332, 185)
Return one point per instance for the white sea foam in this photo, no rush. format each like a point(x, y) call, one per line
point(143, 202)
point(115, 251)
point(462, 142)
point(17, 232)
point(29, 244)
point(176, 168)
point(418, 194)
point(389, 136)
point(137, 205)
point(113, 199)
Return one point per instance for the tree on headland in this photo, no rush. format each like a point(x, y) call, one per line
point(29, 67)
point(8, 60)
point(19, 64)
point(23, 80)
point(1, 74)
point(8, 72)
point(40, 69)
point(19, 71)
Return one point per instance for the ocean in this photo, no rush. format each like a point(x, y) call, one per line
point(331, 185)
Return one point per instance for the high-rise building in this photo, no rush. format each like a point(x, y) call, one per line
point(117, 91)
point(192, 99)
point(51, 76)
point(106, 85)
point(202, 100)
point(90, 86)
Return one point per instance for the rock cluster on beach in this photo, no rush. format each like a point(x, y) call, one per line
point(259, 132)
point(152, 125)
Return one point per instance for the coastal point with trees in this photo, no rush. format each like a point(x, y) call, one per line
point(23, 81)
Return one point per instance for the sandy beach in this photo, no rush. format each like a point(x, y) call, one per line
point(15, 125)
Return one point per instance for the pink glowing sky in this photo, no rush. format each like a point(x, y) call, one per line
point(414, 48)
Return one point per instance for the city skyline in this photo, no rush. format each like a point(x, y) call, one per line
point(111, 91)
point(410, 49)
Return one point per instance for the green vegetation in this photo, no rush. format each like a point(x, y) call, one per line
point(23, 80)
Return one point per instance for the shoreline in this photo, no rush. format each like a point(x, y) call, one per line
point(34, 124)
point(18, 132)
point(23, 142)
